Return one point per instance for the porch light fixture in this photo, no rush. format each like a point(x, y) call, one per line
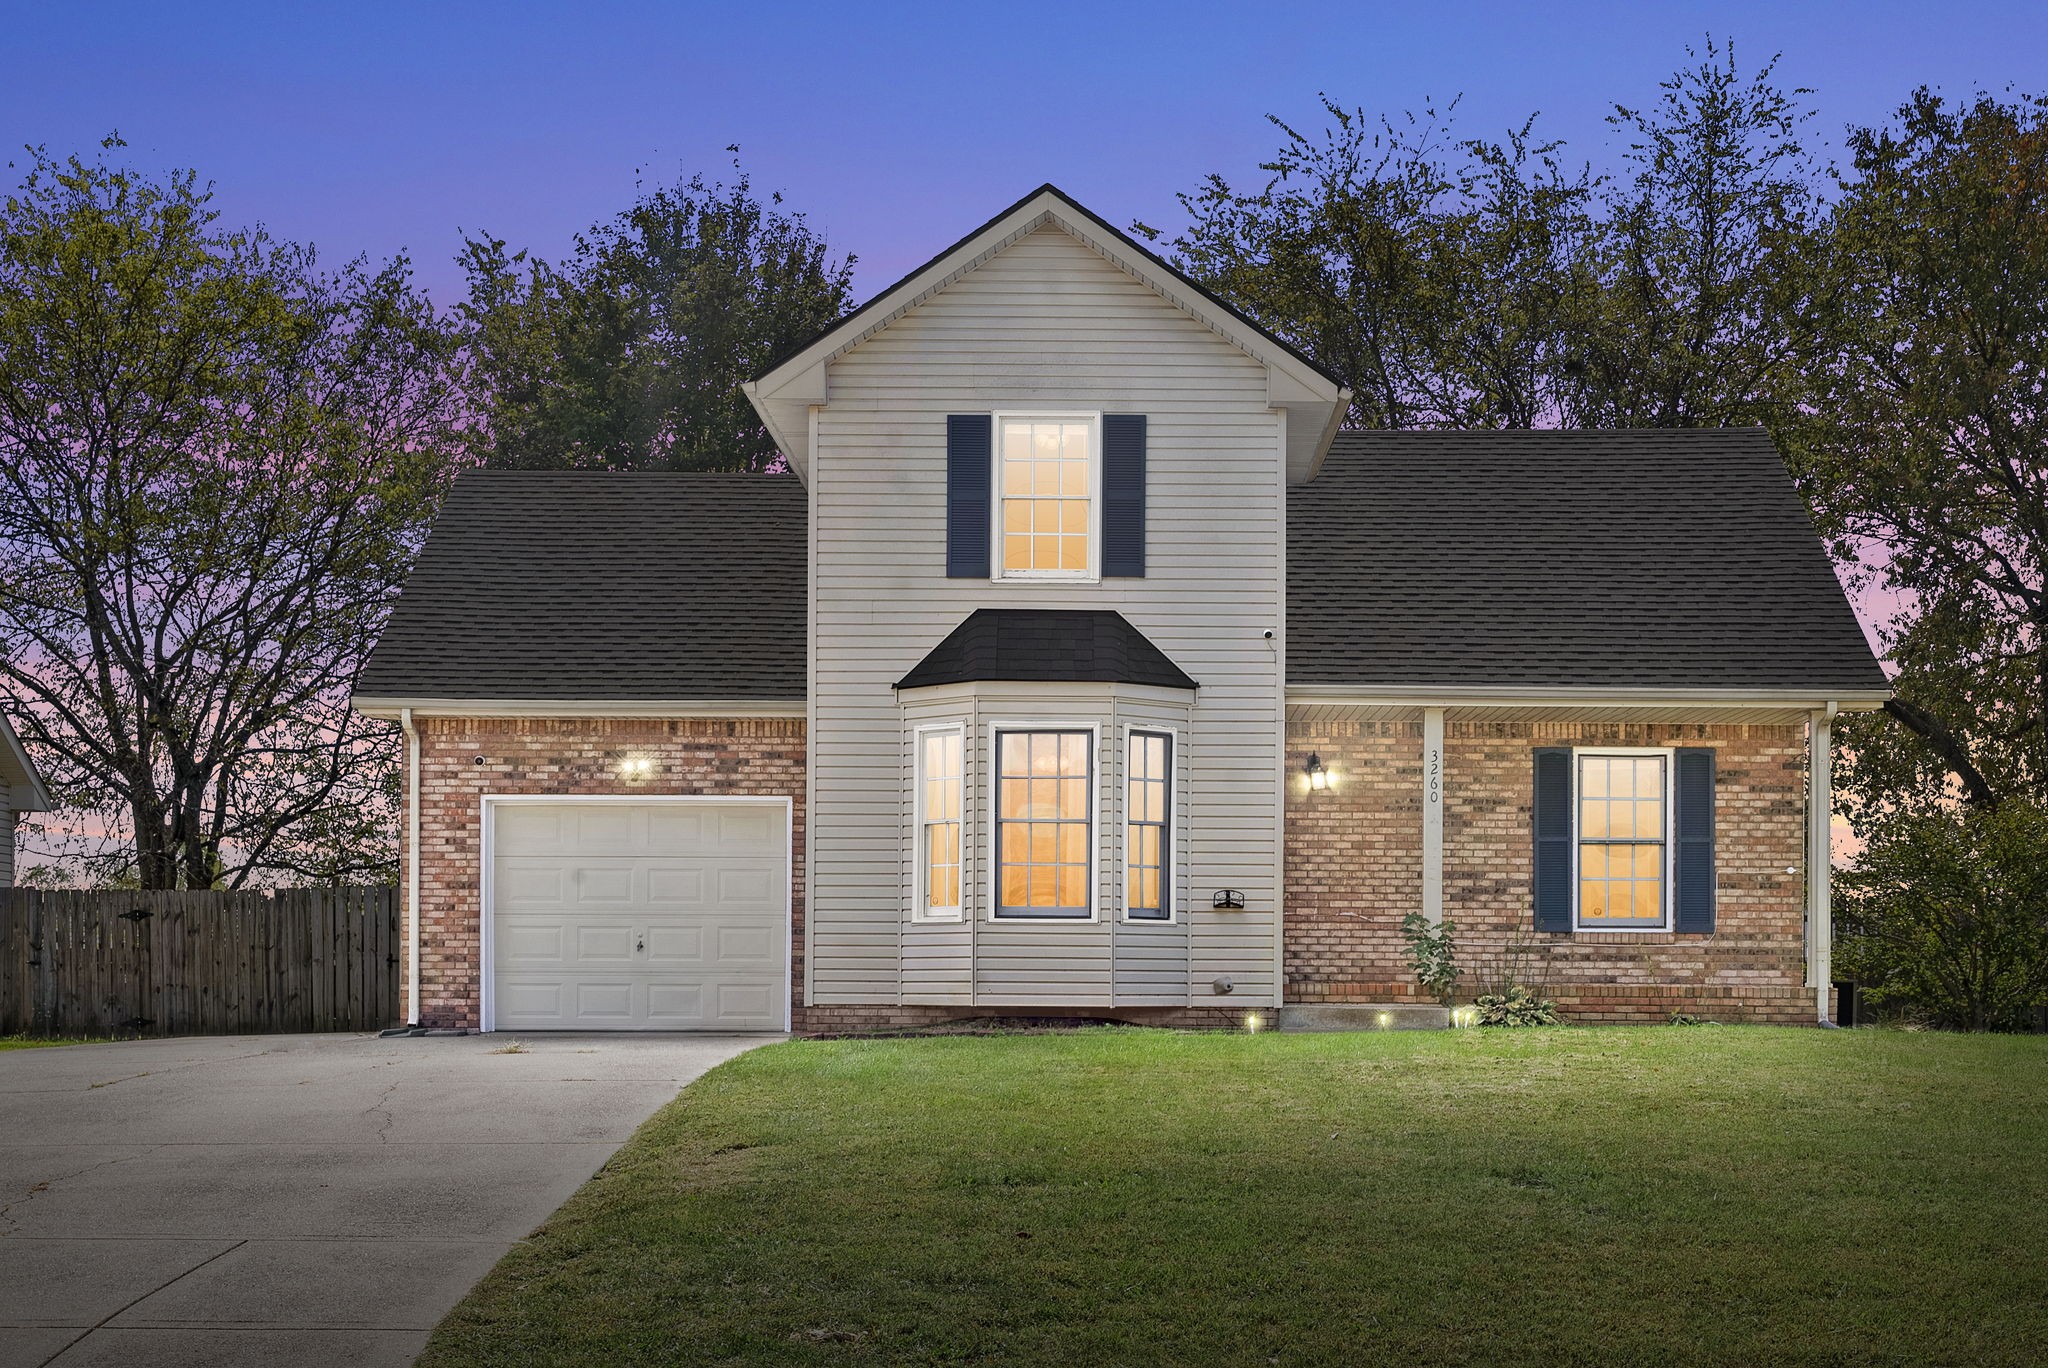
point(635, 769)
point(1318, 777)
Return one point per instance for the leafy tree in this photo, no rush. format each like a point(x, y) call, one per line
point(1707, 278)
point(1427, 274)
point(631, 353)
point(1945, 916)
point(1924, 451)
point(215, 463)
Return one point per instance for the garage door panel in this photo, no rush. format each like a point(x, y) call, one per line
point(678, 1006)
point(610, 946)
point(640, 917)
point(546, 999)
point(521, 884)
point(534, 830)
point(681, 830)
point(744, 831)
point(522, 940)
point(745, 1001)
point(605, 829)
point(605, 886)
point(675, 946)
point(744, 946)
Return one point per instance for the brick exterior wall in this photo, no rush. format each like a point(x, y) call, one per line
point(749, 756)
point(1354, 861)
point(1354, 870)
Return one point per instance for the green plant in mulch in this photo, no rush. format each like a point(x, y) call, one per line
point(1433, 952)
point(1517, 1007)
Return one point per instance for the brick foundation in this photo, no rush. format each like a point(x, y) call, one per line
point(1354, 870)
point(571, 757)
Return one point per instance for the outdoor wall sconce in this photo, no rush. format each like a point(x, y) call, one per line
point(1318, 777)
point(1228, 899)
point(635, 769)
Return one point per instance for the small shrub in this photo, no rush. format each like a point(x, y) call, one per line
point(1433, 951)
point(1688, 1019)
point(1517, 1007)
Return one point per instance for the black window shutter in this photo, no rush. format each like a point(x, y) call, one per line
point(1693, 820)
point(969, 456)
point(1552, 827)
point(1123, 495)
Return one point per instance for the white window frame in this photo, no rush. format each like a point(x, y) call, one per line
point(1670, 880)
point(919, 911)
point(1093, 575)
point(996, 732)
point(1169, 875)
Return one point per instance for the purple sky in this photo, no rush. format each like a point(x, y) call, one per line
point(369, 127)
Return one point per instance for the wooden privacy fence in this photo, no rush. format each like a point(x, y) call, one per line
point(200, 963)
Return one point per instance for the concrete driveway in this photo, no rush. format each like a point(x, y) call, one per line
point(281, 1200)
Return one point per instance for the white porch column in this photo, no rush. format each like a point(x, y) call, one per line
point(1820, 930)
point(1433, 814)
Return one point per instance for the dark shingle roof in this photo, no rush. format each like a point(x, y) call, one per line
point(603, 586)
point(1062, 645)
point(1638, 558)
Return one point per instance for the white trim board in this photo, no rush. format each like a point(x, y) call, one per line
point(487, 837)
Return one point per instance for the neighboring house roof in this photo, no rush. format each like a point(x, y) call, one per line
point(595, 585)
point(1046, 644)
point(1314, 398)
point(1665, 558)
point(21, 787)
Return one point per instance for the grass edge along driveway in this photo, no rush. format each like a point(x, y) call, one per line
point(1121, 1196)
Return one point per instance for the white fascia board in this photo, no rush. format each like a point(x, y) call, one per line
point(1315, 404)
point(392, 708)
point(1044, 691)
point(18, 776)
point(1455, 696)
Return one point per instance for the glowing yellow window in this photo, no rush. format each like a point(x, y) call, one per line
point(1623, 801)
point(1046, 477)
point(939, 800)
point(1044, 823)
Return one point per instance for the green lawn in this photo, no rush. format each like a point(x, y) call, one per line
point(1711, 1195)
point(36, 1043)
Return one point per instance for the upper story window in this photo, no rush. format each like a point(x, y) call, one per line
point(1046, 482)
point(1624, 811)
point(1045, 823)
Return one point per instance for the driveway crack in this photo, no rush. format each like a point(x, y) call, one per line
point(382, 1108)
point(9, 1223)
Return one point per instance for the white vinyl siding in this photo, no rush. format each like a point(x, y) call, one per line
point(1045, 326)
point(7, 831)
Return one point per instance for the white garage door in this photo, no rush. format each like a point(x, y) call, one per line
point(654, 916)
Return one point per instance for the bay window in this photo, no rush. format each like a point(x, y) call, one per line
point(940, 798)
point(1044, 794)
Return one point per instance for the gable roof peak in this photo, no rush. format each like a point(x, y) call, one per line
point(1315, 399)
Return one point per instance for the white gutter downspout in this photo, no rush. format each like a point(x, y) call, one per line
point(1820, 928)
point(412, 869)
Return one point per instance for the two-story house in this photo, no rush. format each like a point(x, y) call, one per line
point(1081, 666)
